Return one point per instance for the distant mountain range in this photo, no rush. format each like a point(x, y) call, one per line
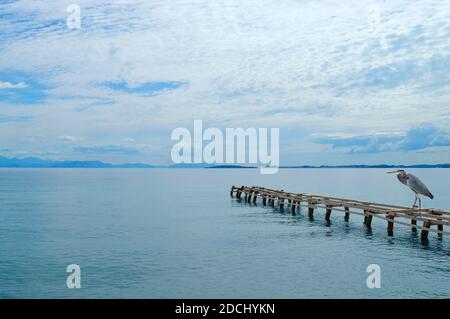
point(35, 162)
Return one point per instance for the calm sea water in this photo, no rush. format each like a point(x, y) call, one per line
point(170, 233)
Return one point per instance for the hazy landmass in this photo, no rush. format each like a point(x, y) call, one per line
point(36, 162)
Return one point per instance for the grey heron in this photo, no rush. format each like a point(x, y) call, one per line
point(414, 183)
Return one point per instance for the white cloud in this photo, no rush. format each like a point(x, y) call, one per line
point(9, 85)
point(69, 138)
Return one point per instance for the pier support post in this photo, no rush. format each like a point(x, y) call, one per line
point(293, 207)
point(310, 210)
point(440, 226)
point(281, 201)
point(369, 221)
point(368, 218)
point(240, 192)
point(264, 200)
point(272, 201)
point(390, 226)
point(413, 223)
point(424, 235)
point(254, 197)
point(328, 213)
point(232, 190)
point(347, 214)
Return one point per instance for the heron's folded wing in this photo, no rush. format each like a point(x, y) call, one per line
point(418, 186)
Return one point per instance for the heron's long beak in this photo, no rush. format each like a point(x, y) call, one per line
point(392, 172)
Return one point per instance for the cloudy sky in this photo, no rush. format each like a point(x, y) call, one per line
point(345, 81)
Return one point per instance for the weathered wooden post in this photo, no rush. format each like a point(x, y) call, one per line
point(347, 214)
point(281, 201)
point(293, 207)
point(390, 227)
point(368, 218)
point(328, 212)
point(255, 195)
point(413, 223)
point(311, 210)
point(232, 190)
point(272, 200)
point(264, 200)
point(424, 234)
point(250, 196)
point(240, 192)
point(440, 226)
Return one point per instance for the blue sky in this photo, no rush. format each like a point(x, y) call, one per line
point(345, 82)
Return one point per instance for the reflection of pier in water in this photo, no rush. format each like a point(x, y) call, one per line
point(393, 214)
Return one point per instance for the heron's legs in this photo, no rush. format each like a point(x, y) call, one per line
point(420, 205)
point(414, 205)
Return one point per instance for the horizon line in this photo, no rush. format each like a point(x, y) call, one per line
point(36, 162)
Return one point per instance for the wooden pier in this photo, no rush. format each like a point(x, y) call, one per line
point(422, 220)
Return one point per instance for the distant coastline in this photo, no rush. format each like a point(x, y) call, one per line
point(35, 162)
point(346, 166)
point(374, 166)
